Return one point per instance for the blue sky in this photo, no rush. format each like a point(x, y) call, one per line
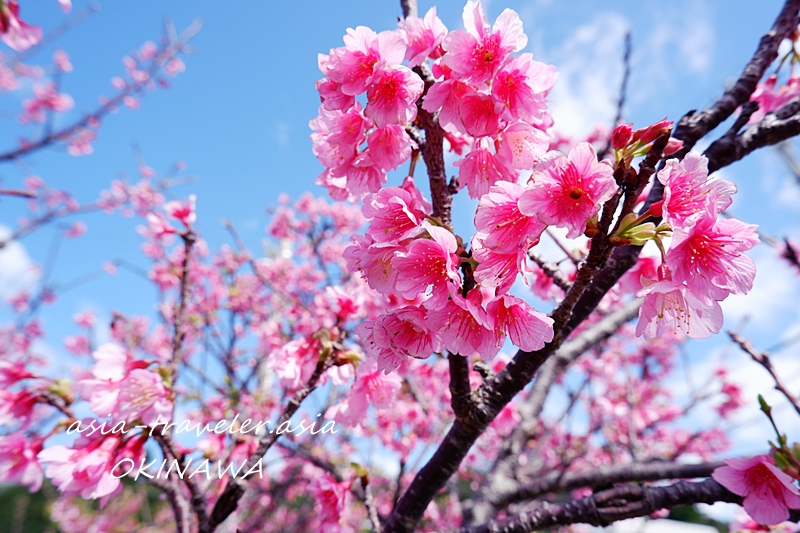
point(238, 118)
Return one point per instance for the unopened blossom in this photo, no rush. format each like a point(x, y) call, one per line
point(395, 336)
point(481, 169)
point(18, 463)
point(768, 492)
point(423, 37)
point(392, 97)
point(498, 216)
point(475, 54)
point(354, 66)
point(521, 86)
point(568, 191)
point(393, 214)
point(709, 256)
point(429, 262)
point(688, 193)
point(16, 33)
point(526, 327)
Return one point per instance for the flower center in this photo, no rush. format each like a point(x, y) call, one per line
point(576, 193)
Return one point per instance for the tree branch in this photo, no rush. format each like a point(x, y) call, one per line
point(604, 475)
point(763, 359)
point(611, 505)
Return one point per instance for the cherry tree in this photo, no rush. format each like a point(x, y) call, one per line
point(375, 370)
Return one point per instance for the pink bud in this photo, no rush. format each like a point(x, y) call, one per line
point(621, 136)
point(673, 145)
point(657, 208)
point(653, 132)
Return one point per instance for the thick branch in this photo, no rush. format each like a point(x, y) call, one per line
point(604, 475)
point(460, 390)
point(772, 129)
point(611, 505)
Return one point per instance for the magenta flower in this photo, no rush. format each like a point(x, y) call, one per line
point(466, 328)
point(688, 194)
point(429, 262)
point(497, 269)
point(423, 37)
point(498, 216)
point(475, 54)
point(389, 146)
point(18, 463)
point(521, 86)
point(479, 114)
point(480, 170)
point(395, 336)
point(710, 257)
point(444, 97)
point(567, 192)
point(333, 497)
point(182, 211)
point(142, 395)
point(355, 65)
point(394, 214)
point(526, 327)
point(392, 98)
point(374, 260)
point(768, 492)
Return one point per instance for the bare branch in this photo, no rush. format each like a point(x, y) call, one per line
point(763, 359)
point(611, 505)
point(604, 475)
point(460, 391)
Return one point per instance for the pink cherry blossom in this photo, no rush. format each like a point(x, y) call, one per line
point(392, 98)
point(395, 336)
point(669, 306)
point(476, 54)
point(390, 146)
point(768, 492)
point(497, 269)
point(521, 145)
point(521, 86)
point(429, 262)
point(354, 65)
point(364, 175)
point(498, 216)
point(182, 211)
point(332, 496)
point(46, 99)
point(11, 372)
point(394, 214)
point(66, 5)
point(466, 328)
point(480, 170)
point(526, 327)
point(16, 33)
point(375, 261)
point(688, 193)
point(479, 114)
point(17, 407)
point(371, 386)
point(18, 463)
point(142, 395)
point(710, 257)
point(444, 97)
point(567, 191)
point(423, 37)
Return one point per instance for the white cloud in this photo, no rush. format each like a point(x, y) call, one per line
point(590, 73)
point(17, 271)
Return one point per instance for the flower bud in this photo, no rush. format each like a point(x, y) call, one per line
point(621, 136)
point(651, 133)
point(673, 145)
